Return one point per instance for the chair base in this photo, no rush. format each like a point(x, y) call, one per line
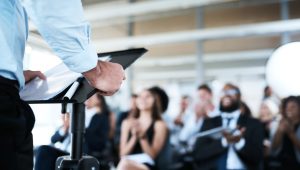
point(85, 163)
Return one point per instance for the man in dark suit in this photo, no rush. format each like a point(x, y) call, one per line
point(239, 147)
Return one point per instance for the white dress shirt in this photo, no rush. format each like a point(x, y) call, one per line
point(61, 24)
point(190, 128)
point(233, 160)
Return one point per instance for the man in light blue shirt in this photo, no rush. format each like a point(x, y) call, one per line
point(61, 24)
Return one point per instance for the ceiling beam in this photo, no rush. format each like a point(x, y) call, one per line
point(257, 29)
point(106, 12)
point(207, 58)
point(191, 74)
point(99, 12)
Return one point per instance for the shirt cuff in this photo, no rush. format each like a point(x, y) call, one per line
point(84, 61)
point(224, 142)
point(239, 145)
point(61, 132)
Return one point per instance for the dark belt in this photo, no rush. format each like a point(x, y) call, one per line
point(9, 82)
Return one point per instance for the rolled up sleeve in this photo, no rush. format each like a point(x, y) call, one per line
point(62, 25)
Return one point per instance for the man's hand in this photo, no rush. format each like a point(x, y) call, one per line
point(234, 138)
point(178, 121)
point(66, 122)
point(107, 77)
point(30, 75)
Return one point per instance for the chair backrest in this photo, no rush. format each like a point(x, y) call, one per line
point(163, 160)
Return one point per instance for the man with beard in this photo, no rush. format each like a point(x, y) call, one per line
point(239, 147)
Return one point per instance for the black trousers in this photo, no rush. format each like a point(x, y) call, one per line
point(16, 123)
point(46, 157)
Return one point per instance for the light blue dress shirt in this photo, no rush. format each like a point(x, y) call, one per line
point(61, 24)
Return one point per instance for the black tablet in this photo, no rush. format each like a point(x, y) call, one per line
point(60, 79)
point(124, 58)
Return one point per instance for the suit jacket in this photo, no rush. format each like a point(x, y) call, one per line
point(208, 150)
point(96, 135)
point(57, 137)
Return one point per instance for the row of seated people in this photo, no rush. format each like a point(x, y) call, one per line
point(141, 138)
point(98, 137)
point(141, 135)
point(270, 142)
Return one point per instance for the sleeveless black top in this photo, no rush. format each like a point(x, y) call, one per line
point(287, 155)
point(149, 134)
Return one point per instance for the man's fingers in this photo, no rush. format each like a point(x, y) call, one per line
point(225, 134)
point(243, 129)
point(40, 75)
point(105, 93)
point(30, 75)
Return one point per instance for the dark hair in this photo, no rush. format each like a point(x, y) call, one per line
point(266, 92)
point(205, 87)
point(103, 105)
point(134, 95)
point(232, 86)
point(185, 97)
point(246, 110)
point(285, 101)
point(157, 108)
point(163, 97)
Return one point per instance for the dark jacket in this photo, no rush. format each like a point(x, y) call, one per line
point(96, 135)
point(208, 150)
point(57, 137)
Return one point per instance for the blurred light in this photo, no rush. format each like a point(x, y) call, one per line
point(28, 49)
point(283, 68)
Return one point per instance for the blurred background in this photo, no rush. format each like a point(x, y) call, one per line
point(190, 42)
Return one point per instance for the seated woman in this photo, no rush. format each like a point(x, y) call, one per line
point(101, 128)
point(96, 137)
point(286, 141)
point(268, 116)
point(46, 155)
point(143, 137)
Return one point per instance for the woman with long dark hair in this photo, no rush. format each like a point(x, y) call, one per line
point(96, 136)
point(143, 137)
point(100, 130)
point(286, 141)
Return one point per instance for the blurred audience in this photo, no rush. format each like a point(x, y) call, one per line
point(269, 94)
point(143, 137)
point(205, 95)
point(268, 115)
point(163, 159)
point(239, 146)
point(46, 155)
point(163, 99)
point(245, 110)
point(123, 116)
point(194, 124)
point(183, 114)
point(207, 137)
point(286, 141)
point(180, 120)
point(99, 134)
point(96, 139)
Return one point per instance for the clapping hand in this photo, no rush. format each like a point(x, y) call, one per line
point(234, 137)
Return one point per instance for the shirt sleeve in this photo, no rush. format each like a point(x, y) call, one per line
point(61, 23)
